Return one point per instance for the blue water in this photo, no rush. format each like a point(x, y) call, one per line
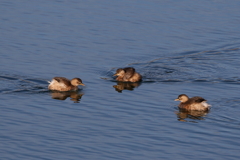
point(180, 47)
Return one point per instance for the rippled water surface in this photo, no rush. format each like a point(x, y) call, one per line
point(179, 47)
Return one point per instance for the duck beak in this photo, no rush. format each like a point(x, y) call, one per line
point(115, 74)
point(177, 99)
point(82, 84)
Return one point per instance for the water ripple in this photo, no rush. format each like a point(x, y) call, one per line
point(192, 66)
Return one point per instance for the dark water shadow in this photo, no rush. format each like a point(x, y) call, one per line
point(126, 86)
point(75, 96)
point(190, 116)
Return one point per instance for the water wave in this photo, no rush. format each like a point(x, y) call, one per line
point(21, 84)
point(212, 66)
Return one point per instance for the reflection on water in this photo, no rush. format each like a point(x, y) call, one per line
point(74, 95)
point(125, 86)
point(194, 115)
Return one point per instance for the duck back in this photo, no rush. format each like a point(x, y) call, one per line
point(136, 77)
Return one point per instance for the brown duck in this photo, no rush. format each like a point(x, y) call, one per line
point(194, 103)
point(63, 84)
point(128, 74)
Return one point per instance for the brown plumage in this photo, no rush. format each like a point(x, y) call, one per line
point(63, 84)
point(127, 75)
point(194, 103)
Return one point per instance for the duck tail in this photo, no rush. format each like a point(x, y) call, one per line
point(205, 104)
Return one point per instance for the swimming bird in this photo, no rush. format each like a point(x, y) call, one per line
point(63, 84)
point(127, 75)
point(194, 103)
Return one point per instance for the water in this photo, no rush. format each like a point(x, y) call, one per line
point(179, 47)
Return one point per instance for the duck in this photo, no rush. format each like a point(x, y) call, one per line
point(127, 74)
point(64, 84)
point(194, 103)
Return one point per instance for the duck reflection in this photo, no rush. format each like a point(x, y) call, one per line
point(74, 95)
point(126, 86)
point(191, 114)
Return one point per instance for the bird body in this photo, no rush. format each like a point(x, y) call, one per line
point(63, 84)
point(194, 103)
point(128, 74)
